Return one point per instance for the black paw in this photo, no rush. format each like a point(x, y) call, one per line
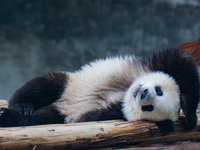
point(191, 122)
point(23, 108)
point(4, 117)
point(8, 117)
point(166, 126)
point(4, 112)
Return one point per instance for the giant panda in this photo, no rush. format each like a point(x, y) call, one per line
point(128, 88)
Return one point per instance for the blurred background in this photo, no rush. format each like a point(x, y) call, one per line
point(43, 36)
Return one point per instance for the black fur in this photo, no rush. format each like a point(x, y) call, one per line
point(147, 108)
point(30, 105)
point(166, 126)
point(45, 115)
point(111, 113)
point(38, 92)
point(182, 67)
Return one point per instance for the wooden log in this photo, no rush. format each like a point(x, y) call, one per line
point(103, 134)
point(3, 103)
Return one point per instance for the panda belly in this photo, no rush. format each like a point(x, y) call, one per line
point(97, 90)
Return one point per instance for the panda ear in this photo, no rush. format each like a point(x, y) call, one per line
point(165, 126)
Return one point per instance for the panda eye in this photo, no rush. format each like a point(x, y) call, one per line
point(158, 91)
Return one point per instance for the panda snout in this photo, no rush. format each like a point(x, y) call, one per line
point(144, 93)
point(141, 92)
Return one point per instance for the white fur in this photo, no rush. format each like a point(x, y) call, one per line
point(166, 106)
point(98, 85)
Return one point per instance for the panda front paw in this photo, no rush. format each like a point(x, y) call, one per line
point(23, 108)
point(191, 122)
point(165, 126)
point(4, 115)
point(8, 117)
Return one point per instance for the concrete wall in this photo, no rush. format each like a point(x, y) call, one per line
point(43, 36)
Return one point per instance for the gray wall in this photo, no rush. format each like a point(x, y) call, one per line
point(43, 36)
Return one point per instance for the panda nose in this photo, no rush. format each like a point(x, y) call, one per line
point(144, 94)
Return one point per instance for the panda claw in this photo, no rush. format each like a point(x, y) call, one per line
point(1, 112)
point(23, 108)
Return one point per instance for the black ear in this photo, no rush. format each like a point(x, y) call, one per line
point(166, 126)
point(182, 67)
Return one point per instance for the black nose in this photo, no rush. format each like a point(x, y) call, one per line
point(144, 94)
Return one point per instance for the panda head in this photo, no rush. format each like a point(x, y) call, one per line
point(154, 96)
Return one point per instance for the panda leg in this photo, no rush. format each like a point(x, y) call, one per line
point(45, 115)
point(38, 92)
point(190, 116)
point(111, 113)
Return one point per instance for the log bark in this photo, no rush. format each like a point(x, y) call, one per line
point(104, 134)
point(3, 103)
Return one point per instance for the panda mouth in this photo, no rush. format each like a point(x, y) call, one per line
point(147, 108)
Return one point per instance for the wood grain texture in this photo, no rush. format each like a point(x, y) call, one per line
point(3, 103)
point(104, 134)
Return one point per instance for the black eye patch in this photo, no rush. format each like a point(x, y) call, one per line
point(159, 91)
point(147, 108)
